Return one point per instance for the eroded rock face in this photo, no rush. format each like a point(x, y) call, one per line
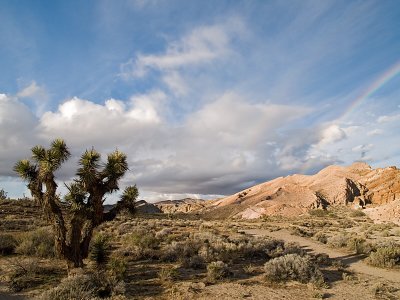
point(182, 206)
point(357, 186)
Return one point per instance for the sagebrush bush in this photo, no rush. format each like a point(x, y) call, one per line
point(293, 267)
point(217, 270)
point(321, 237)
point(85, 286)
point(338, 241)
point(194, 262)
point(385, 256)
point(360, 245)
point(142, 244)
point(37, 243)
point(7, 244)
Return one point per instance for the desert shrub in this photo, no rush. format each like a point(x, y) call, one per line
point(318, 212)
point(346, 223)
point(143, 239)
point(321, 237)
point(357, 213)
point(37, 243)
point(250, 269)
point(262, 247)
point(85, 286)
point(217, 270)
point(7, 244)
point(291, 248)
point(384, 291)
point(295, 230)
point(322, 259)
point(292, 267)
point(26, 273)
point(142, 244)
point(385, 256)
point(171, 252)
point(359, 245)
point(117, 266)
point(338, 241)
point(167, 275)
point(163, 233)
point(100, 249)
point(194, 262)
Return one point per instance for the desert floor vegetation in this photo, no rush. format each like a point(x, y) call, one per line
point(174, 257)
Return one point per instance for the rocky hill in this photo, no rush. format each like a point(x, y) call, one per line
point(186, 205)
point(358, 186)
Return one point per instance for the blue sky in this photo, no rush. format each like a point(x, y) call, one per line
point(205, 97)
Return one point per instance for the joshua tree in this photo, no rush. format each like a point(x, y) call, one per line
point(76, 216)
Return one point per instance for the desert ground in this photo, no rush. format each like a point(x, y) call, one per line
point(338, 253)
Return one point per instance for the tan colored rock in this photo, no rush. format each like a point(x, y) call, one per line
point(356, 186)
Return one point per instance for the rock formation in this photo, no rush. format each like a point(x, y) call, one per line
point(357, 186)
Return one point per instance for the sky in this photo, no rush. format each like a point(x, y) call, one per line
point(207, 97)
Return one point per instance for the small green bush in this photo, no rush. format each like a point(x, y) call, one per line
point(100, 249)
point(37, 243)
point(293, 267)
point(7, 244)
point(217, 270)
point(385, 256)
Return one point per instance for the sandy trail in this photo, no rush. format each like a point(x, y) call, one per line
point(354, 261)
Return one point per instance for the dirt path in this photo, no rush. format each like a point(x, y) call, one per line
point(354, 261)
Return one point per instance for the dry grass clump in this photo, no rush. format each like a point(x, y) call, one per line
point(26, 273)
point(293, 267)
point(217, 270)
point(385, 256)
point(167, 275)
point(86, 286)
point(117, 266)
point(7, 244)
point(39, 242)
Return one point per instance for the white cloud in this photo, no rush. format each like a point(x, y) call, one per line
point(362, 148)
point(389, 118)
point(223, 146)
point(37, 93)
point(332, 134)
point(375, 132)
point(175, 83)
point(202, 45)
point(17, 132)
